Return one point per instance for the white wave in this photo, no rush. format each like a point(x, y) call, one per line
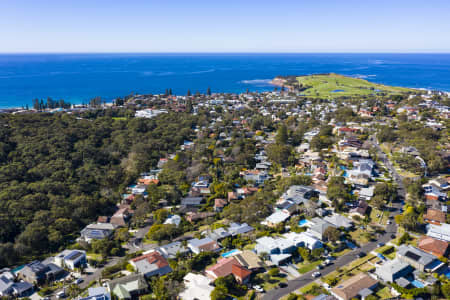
point(201, 72)
point(363, 76)
point(257, 81)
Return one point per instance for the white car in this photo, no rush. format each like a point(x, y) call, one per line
point(79, 280)
point(258, 288)
point(316, 274)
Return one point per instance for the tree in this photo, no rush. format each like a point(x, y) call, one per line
point(377, 201)
point(219, 293)
point(282, 135)
point(274, 272)
point(332, 234)
point(304, 253)
point(279, 153)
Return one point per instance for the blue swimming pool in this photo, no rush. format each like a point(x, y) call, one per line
point(230, 253)
point(417, 284)
point(302, 222)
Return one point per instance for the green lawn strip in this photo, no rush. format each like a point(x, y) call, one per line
point(305, 267)
point(384, 293)
point(342, 252)
point(273, 282)
point(387, 251)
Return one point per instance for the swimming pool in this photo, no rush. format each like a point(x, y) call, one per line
point(417, 284)
point(230, 253)
point(303, 223)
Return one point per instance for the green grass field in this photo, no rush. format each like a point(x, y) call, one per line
point(334, 85)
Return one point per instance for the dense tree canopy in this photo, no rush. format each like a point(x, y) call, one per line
point(58, 172)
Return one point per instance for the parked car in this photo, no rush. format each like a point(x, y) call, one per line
point(282, 285)
point(60, 295)
point(319, 267)
point(380, 244)
point(79, 280)
point(316, 274)
point(258, 288)
point(361, 254)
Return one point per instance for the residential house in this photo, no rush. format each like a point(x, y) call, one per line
point(198, 287)
point(298, 194)
point(236, 228)
point(173, 249)
point(287, 207)
point(417, 258)
point(232, 196)
point(97, 293)
point(71, 259)
point(433, 192)
point(360, 210)
point(441, 183)
point(219, 233)
point(227, 266)
point(256, 176)
point(128, 287)
point(6, 286)
point(303, 239)
point(191, 201)
point(219, 204)
point(276, 218)
point(434, 216)
point(358, 286)
point(97, 231)
point(173, 220)
point(249, 260)
point(366, 193)
point(392, 270)
point(151, 264)
point(433, 246)
point(195, 216)
point(339, 221)
point(318, 227)
point(121, 217)
point(440, 232)
point(37, 272)
point(203, 245)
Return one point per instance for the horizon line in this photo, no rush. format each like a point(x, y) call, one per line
point(231, 52)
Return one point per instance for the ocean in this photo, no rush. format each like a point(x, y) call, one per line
point(79, 77)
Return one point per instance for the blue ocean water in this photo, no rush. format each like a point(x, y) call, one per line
point(80, 77)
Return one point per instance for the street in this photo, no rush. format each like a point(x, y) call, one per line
point(307, 278)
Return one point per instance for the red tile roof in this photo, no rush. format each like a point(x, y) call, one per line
point(436, 247)
point(240, 272)
point(434, 216)
point(153, 258)
point(223, 267)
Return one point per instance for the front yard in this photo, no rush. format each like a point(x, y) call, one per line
point(357, 266)
point(378, 217)
point(387, 251)
point(305, 267)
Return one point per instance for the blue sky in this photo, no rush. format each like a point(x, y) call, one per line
point(224, 26)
